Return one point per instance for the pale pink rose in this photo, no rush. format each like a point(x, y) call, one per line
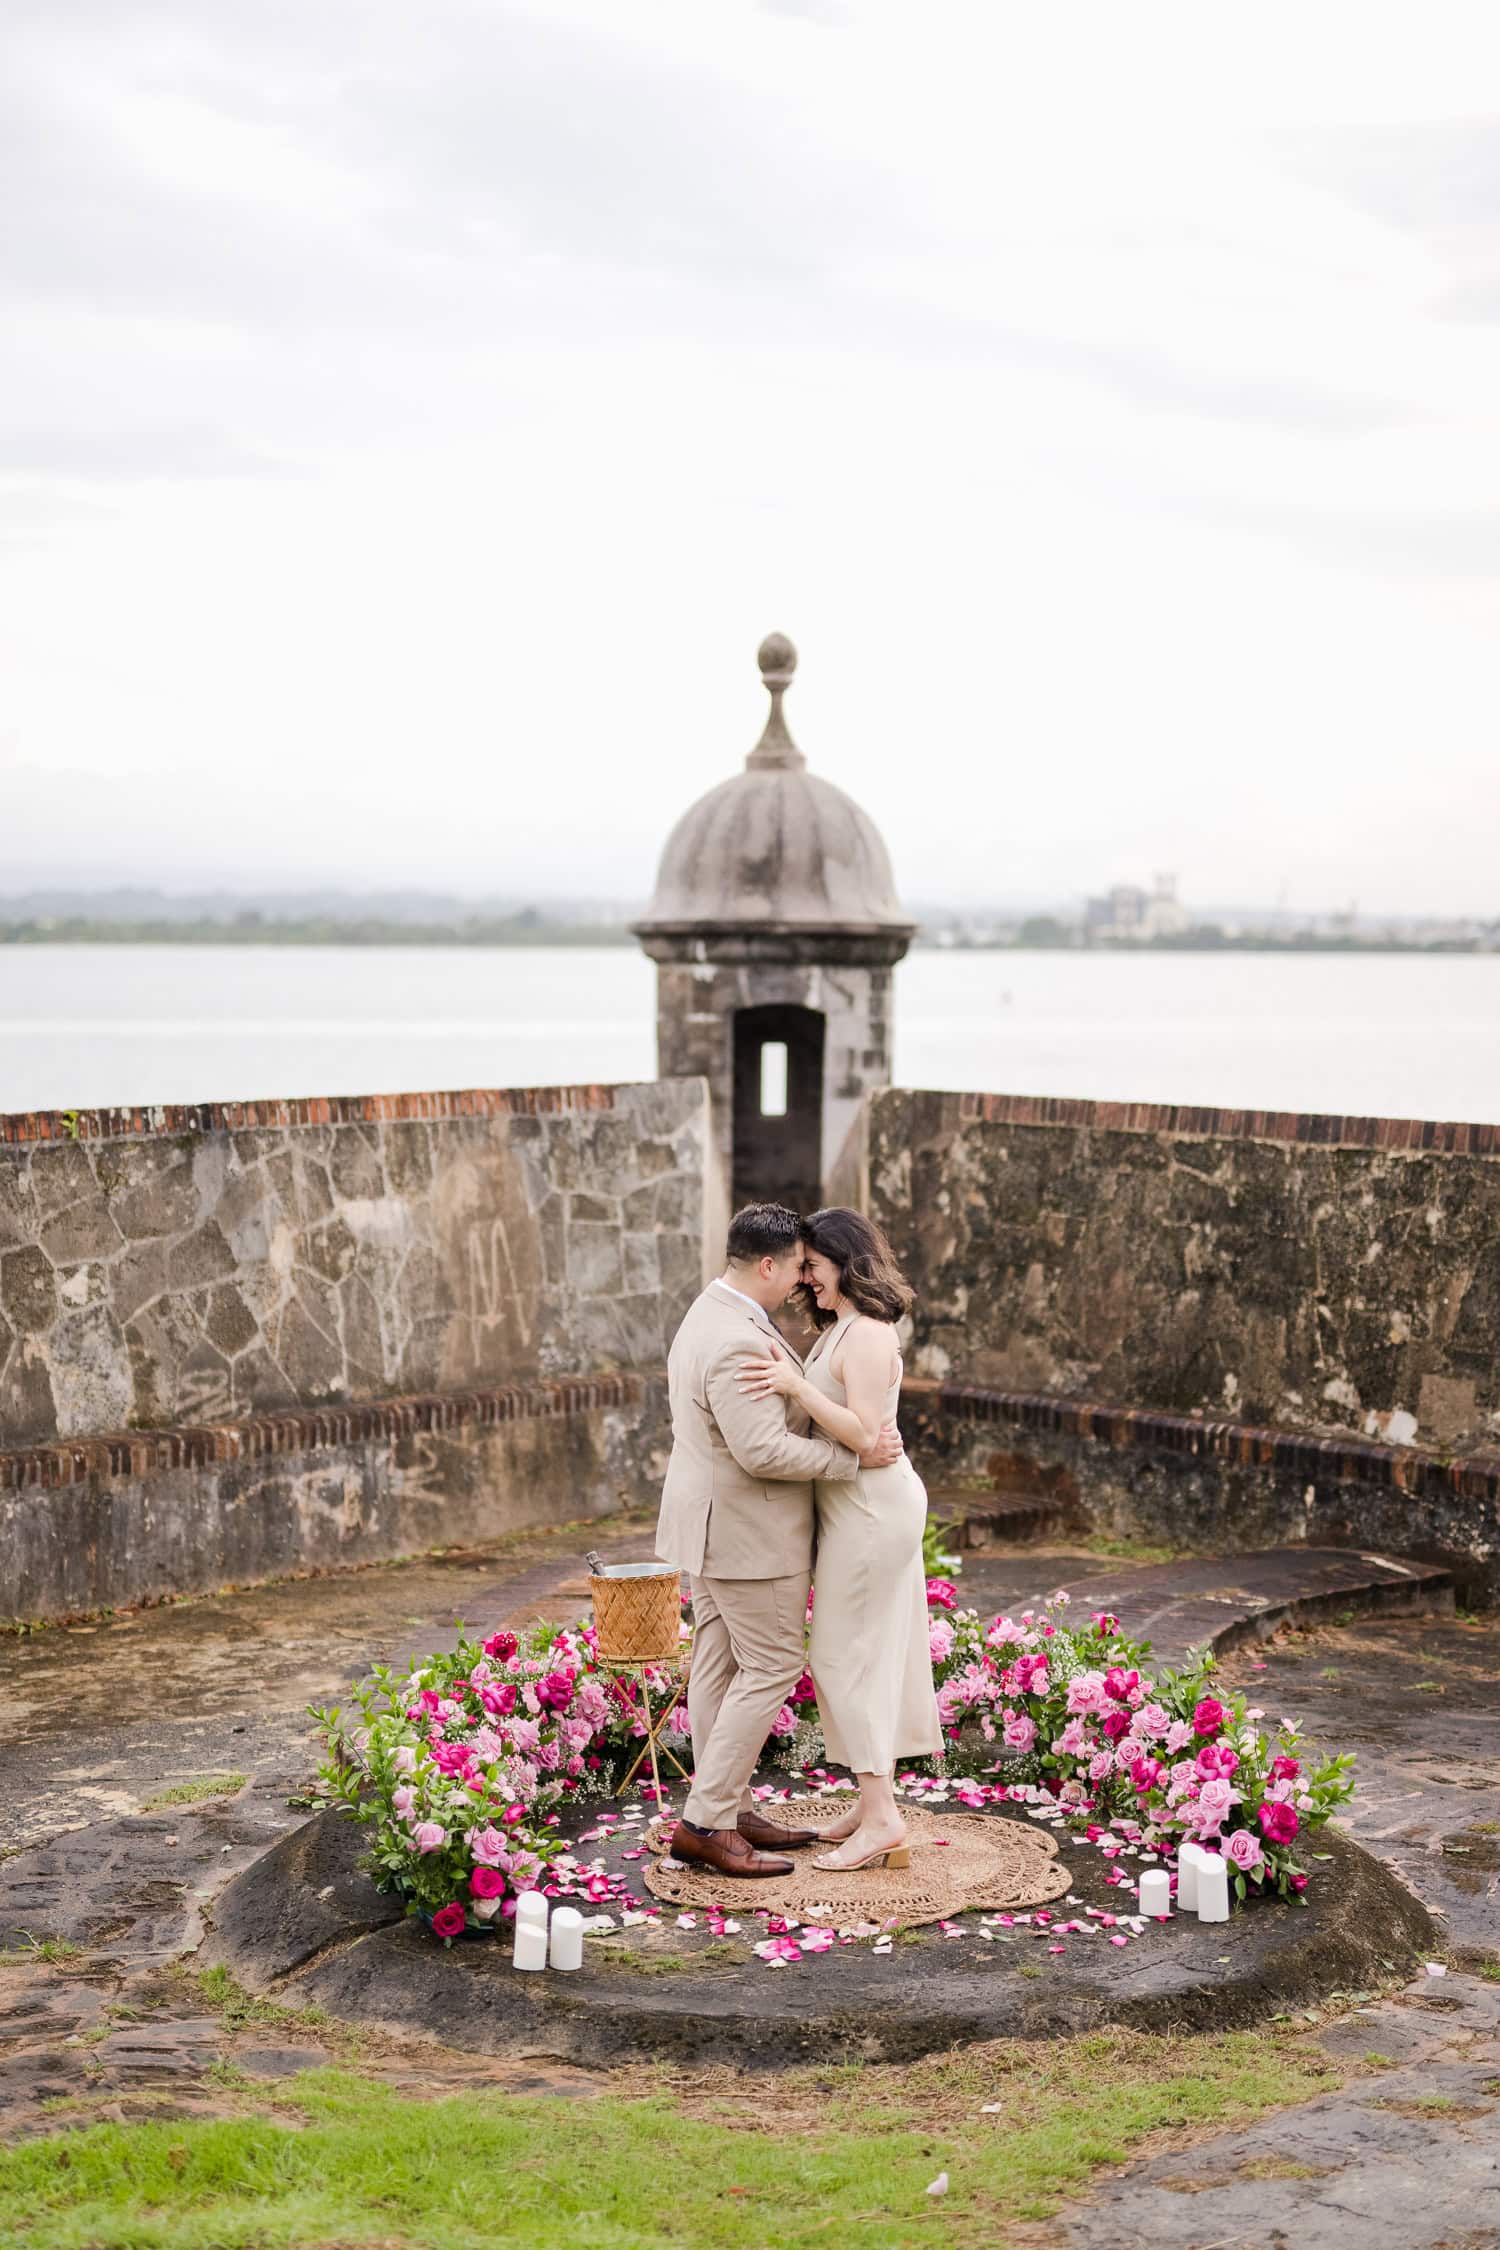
point(1019, 1731)
point(525, 1734)
point(1243, 1850)
point(1179, 1735)
point(1214, 1801)
point(486, 1845)
point(405, 1759)
point(1087, 1693)
point(939, 1639)
point(1150, 1722)
point(428, 1837)
point(402, 1801)
point(1101, 1765)
point(485, 1909)
point(1071, 1742)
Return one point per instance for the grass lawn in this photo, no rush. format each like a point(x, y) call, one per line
point(329, 2159)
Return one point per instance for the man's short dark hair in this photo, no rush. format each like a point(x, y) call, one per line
point(762, 1230)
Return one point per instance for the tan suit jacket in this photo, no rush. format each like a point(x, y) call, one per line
point(738, 1500)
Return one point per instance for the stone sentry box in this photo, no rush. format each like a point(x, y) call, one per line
point(775, 924)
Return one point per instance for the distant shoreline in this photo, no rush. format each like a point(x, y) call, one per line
point(256, 930)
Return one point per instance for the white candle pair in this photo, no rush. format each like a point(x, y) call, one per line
point(1202, 1883)
point(532, 1947)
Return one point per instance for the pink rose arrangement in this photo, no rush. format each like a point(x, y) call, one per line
point(1075, 1708)
point(465, 1764)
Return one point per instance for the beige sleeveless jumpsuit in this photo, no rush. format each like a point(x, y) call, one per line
point(869, 1658)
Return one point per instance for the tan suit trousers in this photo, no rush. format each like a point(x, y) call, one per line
point(749, 1642)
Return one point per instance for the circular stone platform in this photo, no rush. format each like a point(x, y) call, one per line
point(959, 1862)
point(306, 1924)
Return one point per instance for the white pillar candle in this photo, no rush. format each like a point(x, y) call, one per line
point(1187, 1876)
point(531, 1906)
point(1156, 1891)
point(530, 1946)
point(567, 1938)
point(1213, 1888)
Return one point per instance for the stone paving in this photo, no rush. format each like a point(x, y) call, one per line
point(1404, 2159)
point(104, 1716)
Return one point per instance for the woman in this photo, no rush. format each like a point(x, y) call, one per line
point(870, 1660)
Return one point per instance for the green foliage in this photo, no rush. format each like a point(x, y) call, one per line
point(939, 1556)
point(828, 2157)
point(194, 1792)
point(43, 1949)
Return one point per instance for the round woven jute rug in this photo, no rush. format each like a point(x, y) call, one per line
point(958, 1861)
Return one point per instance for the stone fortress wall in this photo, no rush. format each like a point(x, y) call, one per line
point(243, 1338)
point(1209, 1327)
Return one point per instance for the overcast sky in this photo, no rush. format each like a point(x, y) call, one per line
point(414, 415)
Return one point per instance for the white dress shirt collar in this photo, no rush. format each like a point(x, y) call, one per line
point(759, 1310)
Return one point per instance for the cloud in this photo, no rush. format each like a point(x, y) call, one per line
point(111, 455)
point(1431, 175)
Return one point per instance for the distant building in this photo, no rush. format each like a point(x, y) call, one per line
point(1128, 913)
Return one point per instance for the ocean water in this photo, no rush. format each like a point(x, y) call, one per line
point(1386, 1034)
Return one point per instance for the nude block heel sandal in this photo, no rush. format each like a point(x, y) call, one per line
point(899, 1855)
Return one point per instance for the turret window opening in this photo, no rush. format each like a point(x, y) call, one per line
point(773, 1078)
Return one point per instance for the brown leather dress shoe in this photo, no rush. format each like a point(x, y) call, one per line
point(726, 1850)
point(768, 1837)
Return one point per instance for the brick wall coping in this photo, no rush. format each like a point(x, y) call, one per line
point(1347, 1460)
point(1413, 1135)
point(131, 1453)
point(171, 1118)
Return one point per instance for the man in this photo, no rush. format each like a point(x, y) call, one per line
point(737, 1515)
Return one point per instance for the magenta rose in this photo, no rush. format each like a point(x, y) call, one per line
point(1118, 1683)
point(804, 1691)
point(1209, 1717)
point(1104, 1623)
point(448, 1920)
point(1116, 1725)
point(941, 1593)
point(498, 1701)
point(1278, 1823)
point(1284, 1769)
point(502, 1646)
point(555, 1690)
point(1145, 1774)
point(485, 1882)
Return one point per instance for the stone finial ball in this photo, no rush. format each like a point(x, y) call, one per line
point(777, 659)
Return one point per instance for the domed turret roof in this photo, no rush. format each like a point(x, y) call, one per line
point(775, 847)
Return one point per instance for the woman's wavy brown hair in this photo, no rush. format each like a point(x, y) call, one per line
point(868, 1273)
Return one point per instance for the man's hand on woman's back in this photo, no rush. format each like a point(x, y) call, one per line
point(886, 1449)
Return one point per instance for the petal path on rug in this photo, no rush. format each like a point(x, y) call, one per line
point(959, 1861)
